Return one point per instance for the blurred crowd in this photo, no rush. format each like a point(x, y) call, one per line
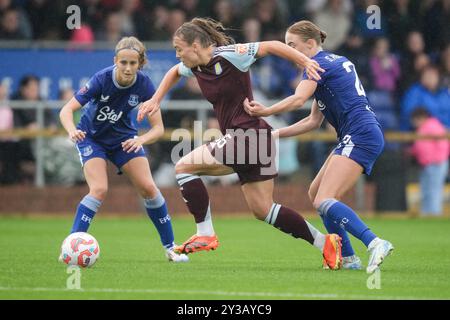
point(404, 65)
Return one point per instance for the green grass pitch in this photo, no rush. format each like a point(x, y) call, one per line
point(253, 261)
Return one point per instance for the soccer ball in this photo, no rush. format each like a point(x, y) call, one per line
point(80, 249)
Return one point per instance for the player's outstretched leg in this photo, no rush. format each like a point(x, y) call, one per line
point(259, 199)
point(157, 211)
point(86, 210)
point(292, 223)
point(378, 248)
point(349, 259)
point(197, 200)
point(138, 170)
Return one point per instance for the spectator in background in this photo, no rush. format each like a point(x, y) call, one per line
point(225, 12)
point(135, 19)
point(191, 8)
point(82, 37)
point(336, 21)
point(413, 60)
point(10, 28)
point(432, 155)
point(112, 28)
point(9, 146)
point(427, 93)
point(176, 18)
point(251, 31)
point(92, 13)
point(47, 18)
point(355, 50)
point(384, 66)
point(271, 19)
point(445, 67)
point(24, 22)
point(26, 119)
point(435, 24)
point(401, 18)
point(160, 18)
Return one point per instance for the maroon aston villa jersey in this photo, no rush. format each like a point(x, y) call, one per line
point(225, 83)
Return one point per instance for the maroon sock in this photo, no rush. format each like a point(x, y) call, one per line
point(195, 195)
point(290, 222)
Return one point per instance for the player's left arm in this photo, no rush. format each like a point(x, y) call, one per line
point(303, 92)
point(284, 51)
point(151, 136)
point(311, 122)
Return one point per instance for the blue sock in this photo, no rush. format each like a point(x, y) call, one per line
point(333, 227)
point(86, 211)
point(157, 211)
point(346, 218)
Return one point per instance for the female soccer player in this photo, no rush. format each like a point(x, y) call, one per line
point(341, 99)
point(221, 69)
point(105, 132)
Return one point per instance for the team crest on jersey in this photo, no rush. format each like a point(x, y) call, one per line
point(218, 68)
point(84, 89)
point(87, 151)
point(103, 98)
point(133, 100)
point(241, 49)
point(322, 105)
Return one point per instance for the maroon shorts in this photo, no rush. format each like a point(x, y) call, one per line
point(250, 152)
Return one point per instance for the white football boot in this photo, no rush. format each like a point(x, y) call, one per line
point(378, 249)
point(175, 257)
point(351, 263)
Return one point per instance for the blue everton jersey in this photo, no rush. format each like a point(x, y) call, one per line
point(106, 114)
point(340, 95)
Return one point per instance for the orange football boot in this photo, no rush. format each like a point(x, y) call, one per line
point(198, 243)
point(332, 251)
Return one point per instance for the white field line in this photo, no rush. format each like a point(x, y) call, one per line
point(214, 293)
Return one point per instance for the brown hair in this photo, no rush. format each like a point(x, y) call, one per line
point(133, 43)
point(420, 112)
point(308, 30)
point(208, 31)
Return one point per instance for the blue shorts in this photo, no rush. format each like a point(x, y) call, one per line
point(363, 146)
point(88, 149)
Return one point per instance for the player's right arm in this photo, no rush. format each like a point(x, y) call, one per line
point(66, 117)
point(311, 122)
point(152, 105)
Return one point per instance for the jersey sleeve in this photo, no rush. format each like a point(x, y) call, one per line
point(91, 90)
point(149, 89)
point(184, 71)
point(322, 74)
point(242, 56)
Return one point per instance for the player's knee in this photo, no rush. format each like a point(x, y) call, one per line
point(99, 192)
point(317, 201)
point(181, 168)
point(311, 194)
point(260, 211)
point(149, 191)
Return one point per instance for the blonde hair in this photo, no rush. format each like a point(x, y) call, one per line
point(208, 32)
point(308, 30)
point(133, 43)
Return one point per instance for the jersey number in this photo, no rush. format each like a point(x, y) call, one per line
point(358, 85)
